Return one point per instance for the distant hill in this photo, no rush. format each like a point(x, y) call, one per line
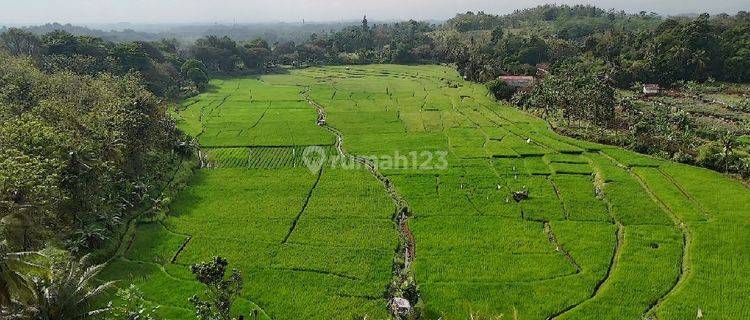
point(564, 21)
point(124, 32)
point(125, 35)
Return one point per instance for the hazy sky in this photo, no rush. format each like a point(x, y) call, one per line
point(176, 11)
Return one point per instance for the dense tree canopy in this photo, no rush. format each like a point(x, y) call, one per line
point(77, 153)
point(575, 95)
point(634, 48)
point(641, 47)
point(156, 63)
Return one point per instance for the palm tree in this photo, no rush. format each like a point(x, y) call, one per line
point(728, 141)
point(67, 292)
point(14, 283)
point(699, 61)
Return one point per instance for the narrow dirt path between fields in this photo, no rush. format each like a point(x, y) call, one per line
point(304, 206)
point(619, 237)
point(686, 194)
point(687, 239)
point(558, 247)
point(401, 216)
point(686, 236)
point(182, 248)
point(566, 210)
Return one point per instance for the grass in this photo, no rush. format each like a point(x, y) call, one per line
point(536, 166)
point(225, 214)
point(604, 232)
point(646, 269)
point(745, 140)
point(720, 246)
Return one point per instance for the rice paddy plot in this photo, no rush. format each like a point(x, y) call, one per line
point(553, 144)
point(565, 158)
point(580, 198)
point(719, 246)
point(264, 157)
point(632, 205)
point(599, 233)
point(647, 266)
point(630, 158)
point(536, 166)
point(279, 226)
point(468, 192)
point(542, 203)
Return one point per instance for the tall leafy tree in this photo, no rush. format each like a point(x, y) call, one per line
point(221, 290)
point(77, 153)
point(19, 42)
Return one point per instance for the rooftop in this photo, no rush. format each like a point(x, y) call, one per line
point(516, 78)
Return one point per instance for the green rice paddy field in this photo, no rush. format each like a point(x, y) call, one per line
point(604, 234)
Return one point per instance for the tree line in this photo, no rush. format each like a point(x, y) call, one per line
point(627, 48)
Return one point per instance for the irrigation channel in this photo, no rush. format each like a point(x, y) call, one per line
point(402, 213)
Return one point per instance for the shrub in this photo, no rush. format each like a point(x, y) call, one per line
point(191, 64)
point(744, 105)
point(501, 90)
point(198, 76)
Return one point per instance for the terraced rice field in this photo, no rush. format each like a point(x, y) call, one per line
point(604, 233)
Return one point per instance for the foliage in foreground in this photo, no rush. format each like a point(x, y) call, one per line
point(221, 291)
point(133, 306)
point(60, 288)
point(14, 284)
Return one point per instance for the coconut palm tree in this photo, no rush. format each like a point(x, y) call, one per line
point(67, 292)
point(729, 142)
